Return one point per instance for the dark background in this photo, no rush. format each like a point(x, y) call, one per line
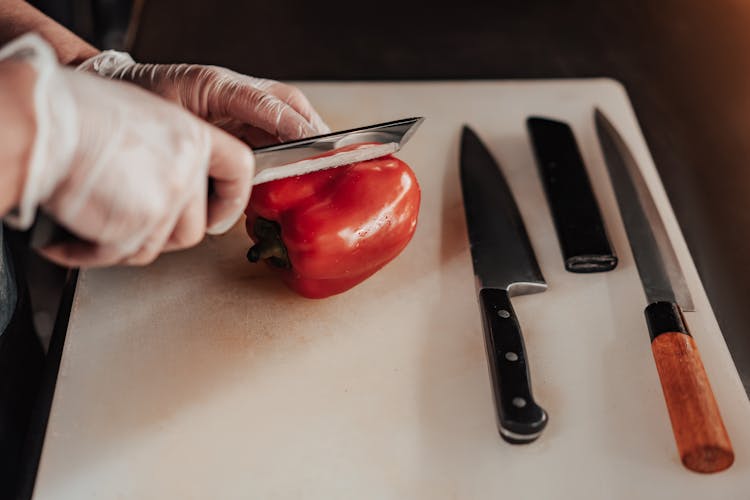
point(685, 64)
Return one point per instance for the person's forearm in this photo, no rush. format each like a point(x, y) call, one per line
point(17, 133)
point(18, 17)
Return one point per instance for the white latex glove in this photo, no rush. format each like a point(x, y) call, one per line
point(123, 169)
point(257, 110)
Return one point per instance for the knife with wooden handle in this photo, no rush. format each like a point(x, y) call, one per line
point(702, 439)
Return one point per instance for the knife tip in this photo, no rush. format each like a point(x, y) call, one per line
point(468, 135)
point(467, 131)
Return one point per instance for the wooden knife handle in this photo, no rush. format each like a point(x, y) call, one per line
point(702, 440)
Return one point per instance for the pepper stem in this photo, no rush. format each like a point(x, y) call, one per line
point(263, 250)
point(269, 245)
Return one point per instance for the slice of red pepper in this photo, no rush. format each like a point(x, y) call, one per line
point(327, 231)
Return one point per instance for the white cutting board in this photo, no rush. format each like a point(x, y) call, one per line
point(202, 376)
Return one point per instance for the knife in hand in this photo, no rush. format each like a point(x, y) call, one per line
point(288, 159)
point(504, 265)
point(699, 431)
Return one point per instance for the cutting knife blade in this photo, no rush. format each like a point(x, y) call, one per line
point(701, 438)
point(504, 265)
point(303, 156)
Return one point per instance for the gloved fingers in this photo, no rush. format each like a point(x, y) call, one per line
point(257, 137)
point(253, 136)
point(82, 254)
point(148, 252)
point(153, 243)
point(231, 169)
point(175, 231)
point(300, 103)
point(152, 247)
point(191, 225)
point(262, 109)
point(179, 228)
point(213, 92)
point(319, 124)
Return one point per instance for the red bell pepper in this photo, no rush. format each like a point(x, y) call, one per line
point(327, 231)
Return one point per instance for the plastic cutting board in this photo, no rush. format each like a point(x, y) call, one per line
point(202, 376)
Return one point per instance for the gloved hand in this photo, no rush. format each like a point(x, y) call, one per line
point(257, 110)
point(121, 168)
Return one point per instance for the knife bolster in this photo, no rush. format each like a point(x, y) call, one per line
point(665, 317)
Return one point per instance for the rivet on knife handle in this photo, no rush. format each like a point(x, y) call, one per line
point(702, 440)
point(520, 419)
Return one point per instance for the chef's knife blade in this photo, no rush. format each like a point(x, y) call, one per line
point(699, 431)
point(303, 156)
point(504, 265)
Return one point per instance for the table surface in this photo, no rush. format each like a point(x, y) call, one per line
point(683, 62)
point(203, 376)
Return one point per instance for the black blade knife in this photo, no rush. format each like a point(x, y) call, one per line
point(699, 431)
point(504, 265)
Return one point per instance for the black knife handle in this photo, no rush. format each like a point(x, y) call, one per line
point(575, 212)
point(520, 420)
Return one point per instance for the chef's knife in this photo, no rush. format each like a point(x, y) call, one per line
point(289, 159)
point(504, 265)
point(702, 440)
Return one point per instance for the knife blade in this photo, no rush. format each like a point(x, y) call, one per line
point(504, 265)
point(283, 160)
point(700, 435)
point(302, 156)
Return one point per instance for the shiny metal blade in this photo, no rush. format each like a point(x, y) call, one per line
point(500, 249)
point(654, 255)
point(398, 132)
point(339, 159)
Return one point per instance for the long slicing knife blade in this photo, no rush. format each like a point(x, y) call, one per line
point(654, 255)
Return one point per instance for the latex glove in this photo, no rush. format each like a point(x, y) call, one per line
point(257, 110)
point(121, 168)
